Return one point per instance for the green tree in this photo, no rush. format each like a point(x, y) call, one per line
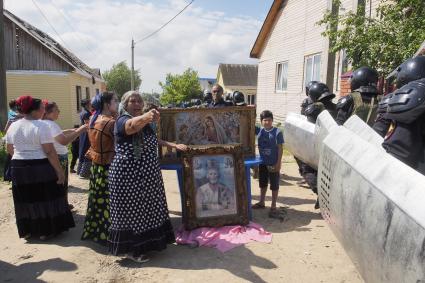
point(118, 79)
point(382, 41)
point(179, 88)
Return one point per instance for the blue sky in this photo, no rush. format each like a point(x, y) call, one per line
point(210, 32)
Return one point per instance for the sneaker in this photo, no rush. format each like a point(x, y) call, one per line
point(139, 259)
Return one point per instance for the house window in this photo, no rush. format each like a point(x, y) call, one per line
point(281, 76)
point(78, 96)
point(87, 93)
point(312, 68)
point(251, 99)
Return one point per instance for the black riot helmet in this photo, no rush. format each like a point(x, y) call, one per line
point(229, 97)
point(407, 103)
point(207, 96)
point(238, 98)
point(308, 85)
point(410, 70)
point(364, 80)
point(317, 90)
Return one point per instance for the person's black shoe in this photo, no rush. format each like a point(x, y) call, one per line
point(73, 171)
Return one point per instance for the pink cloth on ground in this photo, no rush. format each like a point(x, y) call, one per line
point(223, 238)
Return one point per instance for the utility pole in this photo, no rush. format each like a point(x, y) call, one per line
point(132, 63)
point(3, 95)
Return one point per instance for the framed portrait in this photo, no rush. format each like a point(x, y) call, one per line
point(206, 126)
point(214, 186)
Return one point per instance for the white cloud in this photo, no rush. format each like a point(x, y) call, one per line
point(103, 30)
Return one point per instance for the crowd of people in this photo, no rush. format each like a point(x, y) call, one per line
point(117, 150)
point(399, 117)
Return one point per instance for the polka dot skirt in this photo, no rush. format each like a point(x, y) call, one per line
point(138, 206)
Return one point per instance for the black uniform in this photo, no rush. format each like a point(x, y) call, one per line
point(362, 101)
point(405, 138)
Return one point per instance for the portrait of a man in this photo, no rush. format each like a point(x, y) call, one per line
point(215, 190)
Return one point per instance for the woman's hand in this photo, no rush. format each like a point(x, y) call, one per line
point(156, 115)
point(82, 128)
point(181, 147)
point(61, 177)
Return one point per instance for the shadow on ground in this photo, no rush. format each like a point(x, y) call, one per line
point(186, 258)
point(29, 272)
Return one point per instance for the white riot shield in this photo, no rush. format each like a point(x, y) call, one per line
point(375, 205)
point(299, 138)
point(363, 130)
point(324, 124)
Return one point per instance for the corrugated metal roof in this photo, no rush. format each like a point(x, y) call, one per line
point(54, 46)
point(239, 74)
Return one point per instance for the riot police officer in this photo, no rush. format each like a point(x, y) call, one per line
point(238, 98)
point(307, 101)
point(405, 138)
point(322, 99)
point(207, 97)
point(410, 70)
point(362, 101)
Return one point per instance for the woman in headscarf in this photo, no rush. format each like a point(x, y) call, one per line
point(101, 153)
point(139, 213)
point(37, 177)
point(61, 138)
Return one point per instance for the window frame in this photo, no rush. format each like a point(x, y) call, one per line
point(277, 76)
point(78, 92)
point(306, 58)
point(87, 93)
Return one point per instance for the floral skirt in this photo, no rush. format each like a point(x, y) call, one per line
point(97, 223)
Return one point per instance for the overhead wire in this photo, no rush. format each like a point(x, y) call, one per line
point(91, 51)
point(164, 25)
point(48, 22)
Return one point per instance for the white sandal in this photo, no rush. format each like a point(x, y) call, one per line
point(139, 259)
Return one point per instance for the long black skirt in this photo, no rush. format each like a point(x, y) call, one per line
point(41, 208)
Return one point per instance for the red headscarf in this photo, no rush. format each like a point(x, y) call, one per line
point(25, 103)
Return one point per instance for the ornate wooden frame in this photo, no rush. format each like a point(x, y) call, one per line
point(166, 129)
point(190, 219)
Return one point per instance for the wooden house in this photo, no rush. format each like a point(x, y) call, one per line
point(39, 66)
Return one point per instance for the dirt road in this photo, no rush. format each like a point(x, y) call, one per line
point(303, 247)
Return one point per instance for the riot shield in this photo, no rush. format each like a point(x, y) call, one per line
point(363, 130)
point(375, 205)
point(324, 124)
point(299, 138)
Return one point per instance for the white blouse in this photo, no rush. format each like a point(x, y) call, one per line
point(55, 131)
point(27, 136)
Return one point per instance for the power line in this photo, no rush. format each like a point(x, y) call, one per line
point(70, 25)
point(47, 20)
point(164, 25)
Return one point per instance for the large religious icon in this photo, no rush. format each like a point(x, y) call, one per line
point(203, 126)
point(215, 186)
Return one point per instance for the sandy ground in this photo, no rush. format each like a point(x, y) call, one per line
point(303, 248)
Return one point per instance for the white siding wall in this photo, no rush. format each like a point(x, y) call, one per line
point(294, 36)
